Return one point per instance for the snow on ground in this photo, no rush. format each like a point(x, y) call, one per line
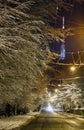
point(12, 122)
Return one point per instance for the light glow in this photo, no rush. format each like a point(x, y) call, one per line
point(49, 108)
point(59, 85)
point(72, 68)
point(56, 90)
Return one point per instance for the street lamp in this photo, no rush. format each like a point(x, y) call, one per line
point(59, 85)
point(56, 90)
point(72, 68)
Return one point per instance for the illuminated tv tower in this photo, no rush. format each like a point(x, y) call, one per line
point(62, 51)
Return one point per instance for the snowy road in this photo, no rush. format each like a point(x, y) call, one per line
point(55, 121)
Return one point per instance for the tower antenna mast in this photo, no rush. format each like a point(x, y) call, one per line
point(62, 49)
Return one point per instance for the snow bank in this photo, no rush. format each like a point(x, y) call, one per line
point(15, 121)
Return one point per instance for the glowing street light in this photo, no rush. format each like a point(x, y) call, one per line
point(56, 90)
point(59, 85)
point(72, 68)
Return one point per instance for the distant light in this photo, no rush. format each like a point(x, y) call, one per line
point(49, 108)
point(59, 85)
point(72, 68)
point(57, 7)
point(56, 90)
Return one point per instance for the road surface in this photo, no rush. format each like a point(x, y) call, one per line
point(55, 121)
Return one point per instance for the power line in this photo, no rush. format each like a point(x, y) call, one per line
point(68, 64)
point(75, 58)
point(69, 52)
point(75, 23)
point(72, 78)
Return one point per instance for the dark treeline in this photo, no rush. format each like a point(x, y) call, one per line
point(8, 110)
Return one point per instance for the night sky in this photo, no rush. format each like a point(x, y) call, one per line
point(76, 43)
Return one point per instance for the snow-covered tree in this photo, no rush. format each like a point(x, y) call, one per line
point(24, 34)
point(69, 97)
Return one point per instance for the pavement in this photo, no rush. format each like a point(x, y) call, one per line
point(55, 121)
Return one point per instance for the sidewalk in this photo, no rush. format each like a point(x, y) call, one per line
point(71, 114)
point(12, 122)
